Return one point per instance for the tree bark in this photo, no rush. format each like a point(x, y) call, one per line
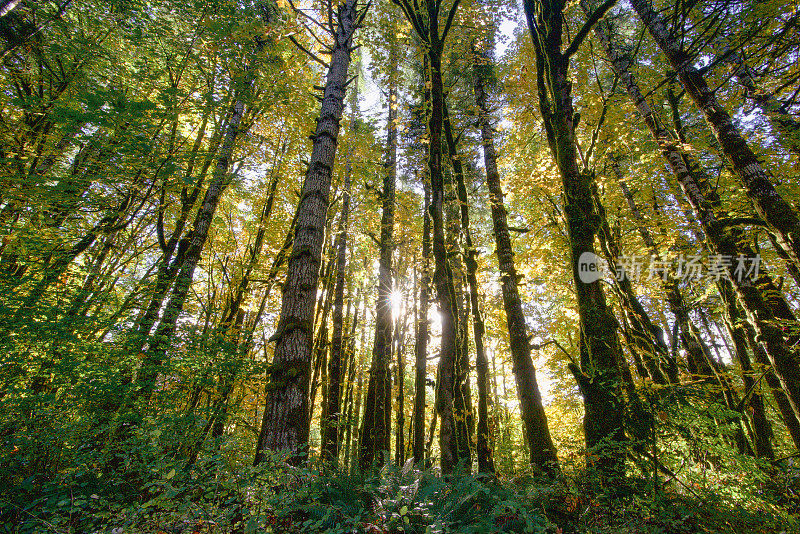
point(542, 450)
point(285, 422)
point(660, 367)
point(790, 419)
point(151, 365)
point(352, 364)
point(330, 436)
point(462, 398)
point(376, 432)
point(421, 345)
point(470, 253)
point(401, 324)
point(787, 128)
point(599, 377)
point(762, 430)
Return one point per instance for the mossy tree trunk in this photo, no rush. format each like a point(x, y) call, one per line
point(376, 430)
point(599, 376)
point(542, 453)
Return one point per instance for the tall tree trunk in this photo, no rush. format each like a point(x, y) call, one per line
point(769, 204)
point(462, 400)
point(352, 367)
point(599, 375)
point(330, 436)
point(787, 128)
point(421, 345)
point(542, 450)
point(426, 25)
point(359, 393)
point(172, 259)
point(790, 419)
point(285, 422)
point(762, 430)
point(322, 342)
point(470, 253)
point(401, 324)
point(442, 274)
point(153, 360)
point(646, 335)
point(376, 431)
point(231, 326)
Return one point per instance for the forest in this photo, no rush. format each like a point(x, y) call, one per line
point(384, 266)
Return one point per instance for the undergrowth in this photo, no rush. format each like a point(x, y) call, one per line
point(221, 494)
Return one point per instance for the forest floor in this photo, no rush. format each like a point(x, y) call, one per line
point(208, 498)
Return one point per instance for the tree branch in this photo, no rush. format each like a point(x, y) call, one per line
point(587, 27)
point(450, 16)
point(308, 52)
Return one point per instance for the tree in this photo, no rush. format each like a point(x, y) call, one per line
point(542, 449)
point(285, 422)
point(426, 24)
point(599, 374)
point(330, 438)
point(376, 433)
point(768, 202)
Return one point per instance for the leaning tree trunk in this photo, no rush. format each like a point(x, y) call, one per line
point(646, 336)
point(790, 419)
point(330, 436)
point(787, 128)
point(285, 422)
point(376, 430)
point(679, 164)
point(231, 326)
point(599, 376)
point(174, 249)
point(696, 350)
point(670, 151)
point(542, 449)
point(146, 377)
point(762, 430)
point(760, 313)
point(769, 204)
point(699, 359)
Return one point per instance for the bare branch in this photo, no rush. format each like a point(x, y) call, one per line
point(587, 27)
point(309, 17)
point(308, 52)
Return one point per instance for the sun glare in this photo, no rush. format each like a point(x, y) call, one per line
point(397, 303)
